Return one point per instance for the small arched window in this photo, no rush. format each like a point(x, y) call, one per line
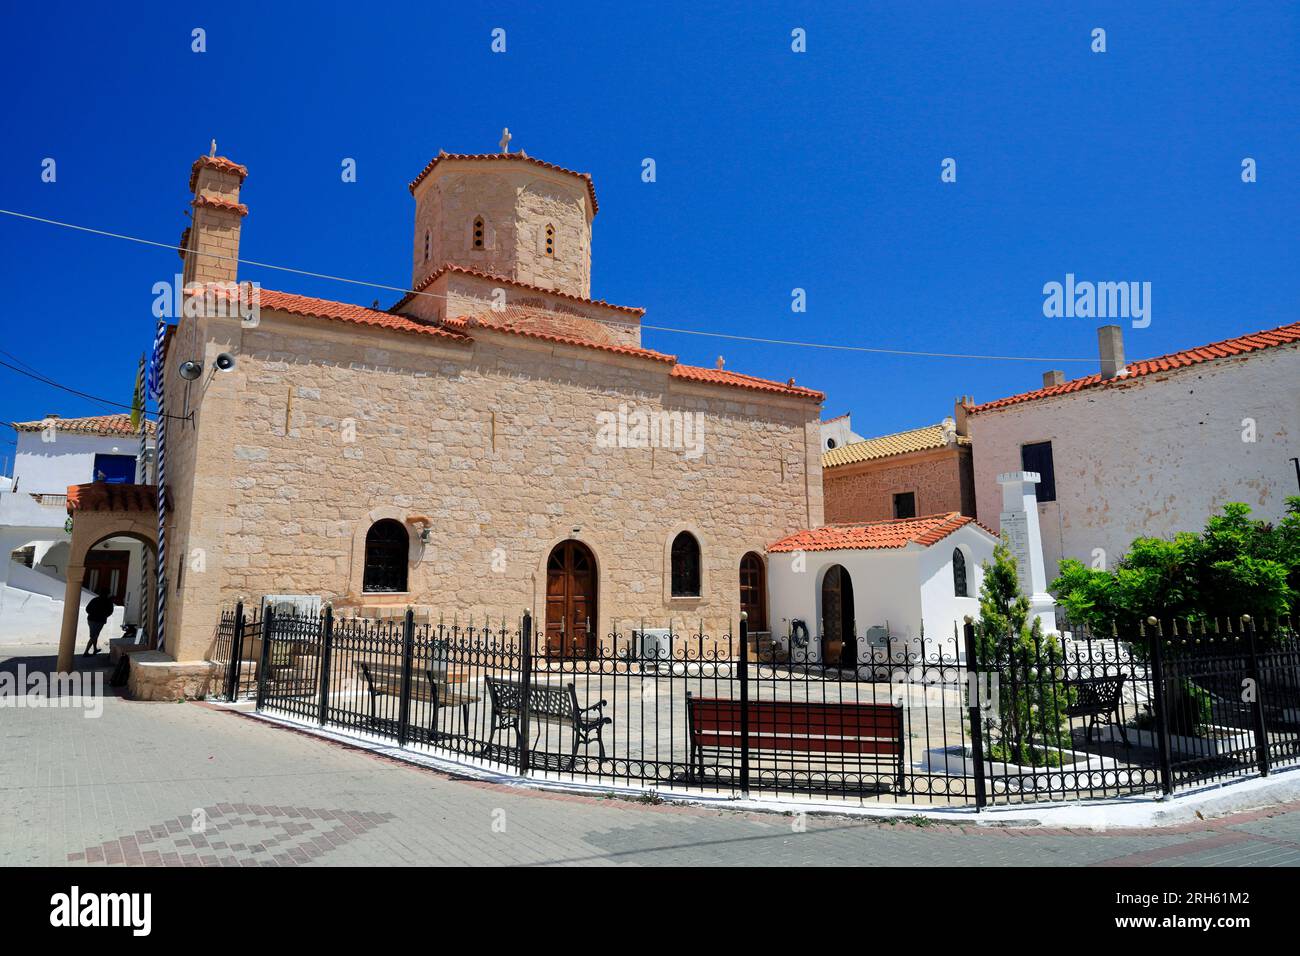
point(959, 574)
point(685, 566)
point(428, 244)
point(478, 232)
point(550, 240)
point(387, 544)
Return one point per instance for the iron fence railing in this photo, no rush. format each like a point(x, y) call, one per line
point(977, 720)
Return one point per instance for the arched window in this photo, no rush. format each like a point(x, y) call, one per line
point(686, 566)
point(550, 240)
point(478, 232)
point(387, 544)
point(959, 574)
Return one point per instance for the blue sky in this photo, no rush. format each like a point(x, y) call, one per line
point(775, 170)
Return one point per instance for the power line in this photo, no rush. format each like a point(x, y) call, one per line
point(657, 328)
point(86, 395)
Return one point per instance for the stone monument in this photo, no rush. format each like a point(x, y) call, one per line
point(1020, 529)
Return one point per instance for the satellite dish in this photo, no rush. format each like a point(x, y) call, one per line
point(190, 370)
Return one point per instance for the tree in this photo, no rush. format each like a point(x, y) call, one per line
point(1031, 695)
point(1236, 565)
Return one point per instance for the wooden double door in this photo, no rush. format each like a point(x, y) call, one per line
point(571, 601)
point(106, 574)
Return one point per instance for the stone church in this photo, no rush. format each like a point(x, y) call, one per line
point(495, 440)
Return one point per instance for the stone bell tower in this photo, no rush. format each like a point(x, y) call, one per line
point(506, 214)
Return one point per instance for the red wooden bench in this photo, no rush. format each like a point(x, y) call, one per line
point(874, 732)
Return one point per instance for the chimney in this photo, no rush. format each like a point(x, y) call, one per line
point(1054, 377)
point(960, 411)
point(1110, 342)
point(212, 239)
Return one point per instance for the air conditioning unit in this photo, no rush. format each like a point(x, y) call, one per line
point(653, 643)
point(297, 605)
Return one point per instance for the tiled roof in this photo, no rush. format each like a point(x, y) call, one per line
point(344, 312)
point(827, 421)
point(1241, 345)
point(459, 328)
point(877, 535)
point(717, 376)
point(93, 425)
point(219, 163)
point(467, 323)
point(462, 270)
point(519, 157)
point(103, 496)
point(215, 202)
point(886, 446)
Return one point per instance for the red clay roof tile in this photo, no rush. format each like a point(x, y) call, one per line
point(219, 163)
point(1241, 345)
point(93, 425)
point(467, 323)
point(215, 202)
point(344, 312)
point(462, 270)
point(459, 328)
point(877, 535)
point(717, 376)
point(520, 156)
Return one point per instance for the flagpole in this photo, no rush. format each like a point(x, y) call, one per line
point(157, 382)
point(142, 478)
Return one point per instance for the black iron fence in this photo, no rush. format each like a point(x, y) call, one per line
point(974, 720)
point(236, 648)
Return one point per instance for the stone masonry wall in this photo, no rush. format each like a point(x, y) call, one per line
point(516, 202)
point(941, 481)
point(496, 442)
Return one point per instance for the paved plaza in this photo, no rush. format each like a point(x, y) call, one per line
point(192, 784)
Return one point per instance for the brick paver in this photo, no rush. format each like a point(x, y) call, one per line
point(131, 785)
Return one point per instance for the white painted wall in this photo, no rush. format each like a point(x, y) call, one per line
point(48, 468)
point(1153, 457)
point(941, 607)
point(841, 430)
point(900, 588)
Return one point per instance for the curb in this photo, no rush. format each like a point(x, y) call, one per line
point(1122, 813)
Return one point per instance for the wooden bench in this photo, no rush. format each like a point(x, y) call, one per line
point(1096, 697)
point(384, 679)
point(546, 703)
point(874, 732)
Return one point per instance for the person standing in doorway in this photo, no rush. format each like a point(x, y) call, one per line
point(98, 610)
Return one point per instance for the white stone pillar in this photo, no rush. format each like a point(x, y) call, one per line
point(1020, 528)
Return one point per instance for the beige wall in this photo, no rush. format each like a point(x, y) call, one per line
point(455, 295)
point(516, 201)
point(497, 443)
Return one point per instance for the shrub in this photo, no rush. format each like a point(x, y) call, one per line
point(1032, 699)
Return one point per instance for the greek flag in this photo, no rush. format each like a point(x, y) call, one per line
point(153, 377)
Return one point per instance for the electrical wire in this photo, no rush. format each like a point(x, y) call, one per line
point(658, 328)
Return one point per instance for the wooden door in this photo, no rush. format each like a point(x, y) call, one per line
point(106, 572)
point(570, 600)
point(753, 591)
